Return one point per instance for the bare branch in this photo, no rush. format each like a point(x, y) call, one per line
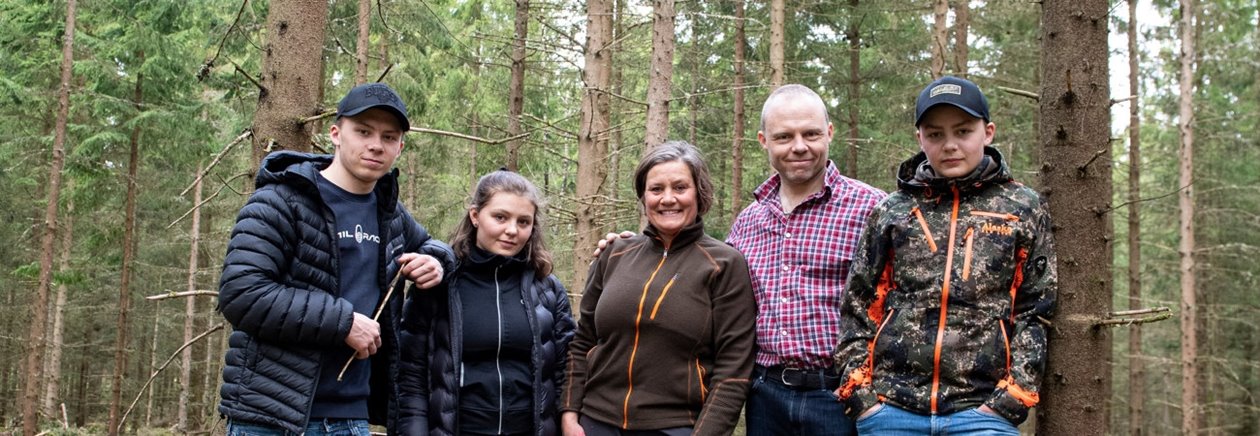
point(209, 63)
point(469, 137)
point(216, 160)
point(1157, 197)
point(1116, 101)
point(1020, 92)
point(320, 116)
point(388, 68)
point(181, 294)
point(216, 328)
point(1130, 317)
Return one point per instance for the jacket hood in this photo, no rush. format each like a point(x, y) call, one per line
point(917, 173)
point(302, 170)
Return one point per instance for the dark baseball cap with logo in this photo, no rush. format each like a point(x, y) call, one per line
point(953, 91)
point(373, 95)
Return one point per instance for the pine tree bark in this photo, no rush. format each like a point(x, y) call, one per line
point(190, 310)
point(778, 26)
point(616, 83)
point(660, 74)
point(129, 244)
point(292, 76)
point(1074, 134)
point(516, 101)
point(153, 346)
point(855, 62)
point(737, 141)
point(362, 42)
point(940, 37)
point(1137, 366)
point(52, 366)
point(962, 25)
point(35, 339)
point(592, 137)
point(1185, 249)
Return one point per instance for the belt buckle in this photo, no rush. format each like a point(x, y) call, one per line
point(783, 376)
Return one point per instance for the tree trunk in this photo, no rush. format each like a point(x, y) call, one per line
point(737, 143)
point(129, 255)
point(592, 139)
point(940, 37)
point(52, 367)
point(153, 346)
point(693, 100)
point(516, 103)
point(660, 74)
point(778, 25)
point(35, 340)
point(855, 63)
point(1076, 169)
point(292, 76)
point(190, 310)
point(617, 84)
point(1185, 125)
point(361, 44)
point(962, 22)
point(1137, 366)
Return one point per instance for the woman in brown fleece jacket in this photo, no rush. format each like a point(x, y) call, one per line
point(664, 345)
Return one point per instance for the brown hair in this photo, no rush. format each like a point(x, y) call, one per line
point(464, 238)
point(686, 153)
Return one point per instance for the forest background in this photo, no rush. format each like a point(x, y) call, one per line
point(101, 209)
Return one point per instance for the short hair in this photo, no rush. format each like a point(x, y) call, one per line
point(792, 90)
point(464, 238)
point(678, 151)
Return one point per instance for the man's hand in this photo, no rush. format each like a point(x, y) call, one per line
point(423, 269)
point(608, 240)
point(365, 336)
point(569, 422)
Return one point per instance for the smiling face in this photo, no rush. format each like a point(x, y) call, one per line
point(504, 224)
point(953, 140)
point(367, 145)
point(669, 198)
point(796, 137)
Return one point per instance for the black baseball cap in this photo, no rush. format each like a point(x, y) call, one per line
point(954, 91)
point(373, 95)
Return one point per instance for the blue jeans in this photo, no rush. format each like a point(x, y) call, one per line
point(775, 409)
point(316, 427)
point(894, 421)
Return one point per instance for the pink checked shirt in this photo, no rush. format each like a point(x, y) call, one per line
point(799, 263)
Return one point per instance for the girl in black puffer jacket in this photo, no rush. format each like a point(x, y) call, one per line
point(486, 356)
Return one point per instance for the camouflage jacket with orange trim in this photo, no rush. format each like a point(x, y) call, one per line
point(946, 296)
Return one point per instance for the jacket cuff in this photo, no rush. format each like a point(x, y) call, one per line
point(1008, 406)
point(861, 400)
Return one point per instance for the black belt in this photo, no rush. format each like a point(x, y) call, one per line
point(802, 379)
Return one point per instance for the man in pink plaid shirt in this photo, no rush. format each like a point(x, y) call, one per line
point(798, 237)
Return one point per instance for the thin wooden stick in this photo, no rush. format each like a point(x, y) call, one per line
point(123, 420)
point(379, 309)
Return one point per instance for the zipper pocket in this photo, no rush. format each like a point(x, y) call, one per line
point(927, 233)
point(966, 272)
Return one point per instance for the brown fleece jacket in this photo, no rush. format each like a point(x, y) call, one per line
point(665, 337)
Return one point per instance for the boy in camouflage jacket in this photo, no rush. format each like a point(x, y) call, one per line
point(944, 318)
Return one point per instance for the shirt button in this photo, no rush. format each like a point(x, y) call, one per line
point(787, 235)
point(783, 332)
point(784, 300)
point(787, 267)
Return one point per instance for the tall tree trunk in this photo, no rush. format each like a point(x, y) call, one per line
point(292, 76)
point(1137, 366)
point(361, 44)
point(737, 143)
point(153, 346)
point(1185, 125)
point(617, 84)
point(516, 103)
point(1076, 169)
point(35, 339)
point(962, 23)
point(84, 384)
point(129, 255)
point(693, 100)
point(660, 74)
point(190, 309)
point(592, 139)
point(940, 37)
point(855, 63)
point(778, 27)
point(52, 367)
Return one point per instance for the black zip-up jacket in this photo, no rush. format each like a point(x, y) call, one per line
point(279, 290)
point(429, 378)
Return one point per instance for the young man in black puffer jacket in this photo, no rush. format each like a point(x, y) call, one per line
point(309, 260)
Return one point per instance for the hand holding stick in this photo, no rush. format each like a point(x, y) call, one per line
point(377, 316)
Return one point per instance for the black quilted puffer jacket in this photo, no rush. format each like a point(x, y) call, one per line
point(429, 379)
point(279, 290)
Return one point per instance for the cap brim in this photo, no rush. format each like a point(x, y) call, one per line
point(968, 110)
point(402, 118)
